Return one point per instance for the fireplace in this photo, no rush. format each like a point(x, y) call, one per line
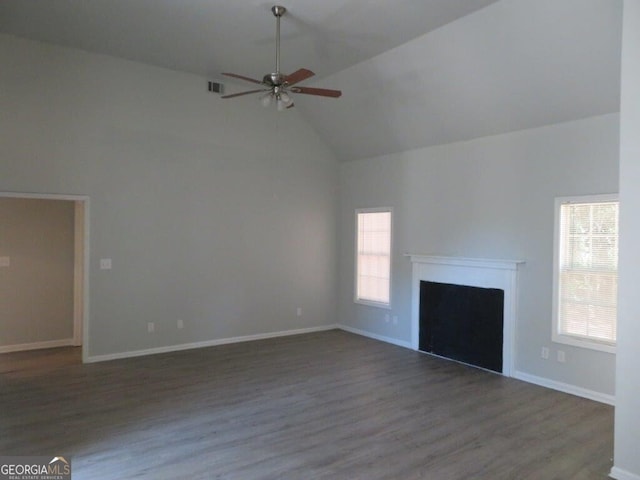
point(462, 323)
point(473, 278)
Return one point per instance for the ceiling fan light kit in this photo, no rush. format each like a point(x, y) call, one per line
point(276, 86)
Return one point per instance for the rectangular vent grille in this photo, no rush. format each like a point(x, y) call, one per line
point(216, 87)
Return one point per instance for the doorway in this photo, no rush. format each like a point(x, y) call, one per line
point(46, 281)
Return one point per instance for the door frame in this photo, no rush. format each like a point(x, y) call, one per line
point(80, 261)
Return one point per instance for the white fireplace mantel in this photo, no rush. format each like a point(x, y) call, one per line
point(473, 272)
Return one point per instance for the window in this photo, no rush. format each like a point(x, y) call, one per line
point(373, 251)
point(586, 271)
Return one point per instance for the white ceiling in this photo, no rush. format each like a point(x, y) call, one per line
point(514, 65)
point(207, 37)
point(414, 73)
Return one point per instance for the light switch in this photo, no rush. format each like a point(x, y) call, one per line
point(105, 264)
point(5, 261)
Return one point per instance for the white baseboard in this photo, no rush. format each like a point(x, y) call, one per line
point(375, 336)
point(205, 343)
point(566, 388)
point(620, 474)
point(544, 382)
point(65, 342)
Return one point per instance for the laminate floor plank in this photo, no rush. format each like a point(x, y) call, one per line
point(328, 405)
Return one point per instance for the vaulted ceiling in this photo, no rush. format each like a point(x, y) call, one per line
point(414, 72)
point(514, 65)
point(207, 37)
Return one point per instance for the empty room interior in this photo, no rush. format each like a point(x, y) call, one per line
point(345, 239)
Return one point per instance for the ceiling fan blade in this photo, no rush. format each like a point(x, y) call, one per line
point(241, 77)
point(323, 92)
point(298, 76)
point(243, 93)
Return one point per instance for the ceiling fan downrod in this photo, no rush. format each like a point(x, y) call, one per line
point(278, 11)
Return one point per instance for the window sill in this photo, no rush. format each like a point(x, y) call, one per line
point(370, 303)
point(584, 343)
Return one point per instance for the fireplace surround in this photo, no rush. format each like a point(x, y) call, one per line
point(472, 272)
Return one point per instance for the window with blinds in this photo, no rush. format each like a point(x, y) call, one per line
point(373, 251)
point(586, 283)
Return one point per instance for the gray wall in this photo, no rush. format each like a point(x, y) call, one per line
point(491, 198)
point(217, 212)
point(36, 290)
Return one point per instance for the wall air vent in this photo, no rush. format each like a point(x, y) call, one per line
point(216, 87)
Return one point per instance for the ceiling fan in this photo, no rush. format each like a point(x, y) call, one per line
point(277, 86)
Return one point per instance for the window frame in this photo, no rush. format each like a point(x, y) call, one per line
point(361, 301)
point(557, 336)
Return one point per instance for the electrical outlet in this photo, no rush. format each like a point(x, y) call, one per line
point(545, 353)
point(561, 357)
point(5, 261)
point(151, 327)
point(180, 323)
point(386, 317)
point(299, 311)
point(395, 319)
point(105, 264)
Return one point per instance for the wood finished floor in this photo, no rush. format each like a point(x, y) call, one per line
point(327, 405)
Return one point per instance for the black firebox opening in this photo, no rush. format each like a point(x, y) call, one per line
point(462, 323)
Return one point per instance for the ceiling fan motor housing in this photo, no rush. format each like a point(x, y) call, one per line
point(274, 79)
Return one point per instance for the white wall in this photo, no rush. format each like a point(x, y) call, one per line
point(217, 212)
point(627, 422)
point(36, 289)
point(493, 198)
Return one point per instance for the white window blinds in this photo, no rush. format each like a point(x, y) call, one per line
point(588, 270)
point(373, 269)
